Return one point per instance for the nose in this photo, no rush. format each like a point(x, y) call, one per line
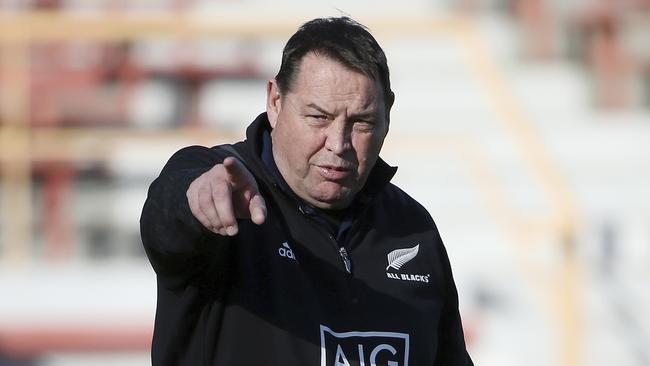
point(338, 137)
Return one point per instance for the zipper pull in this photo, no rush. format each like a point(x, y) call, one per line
point(346, 260)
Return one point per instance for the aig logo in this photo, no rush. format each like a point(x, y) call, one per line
point(363, 348)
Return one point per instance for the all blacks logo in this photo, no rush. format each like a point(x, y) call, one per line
point(363, 348)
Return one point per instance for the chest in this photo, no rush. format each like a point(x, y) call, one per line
point(298, 278)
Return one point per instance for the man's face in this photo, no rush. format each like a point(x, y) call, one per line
point(327, 131)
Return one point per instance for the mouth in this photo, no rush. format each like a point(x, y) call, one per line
point(334, 173)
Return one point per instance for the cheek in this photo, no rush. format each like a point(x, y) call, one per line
point(300, 146)
point(367, 149)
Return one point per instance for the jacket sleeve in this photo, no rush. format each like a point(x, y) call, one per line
point(176, 243)
point(452, 350)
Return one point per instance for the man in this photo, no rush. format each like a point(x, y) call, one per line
point(292, 247)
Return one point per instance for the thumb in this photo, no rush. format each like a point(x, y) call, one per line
point(257, 208)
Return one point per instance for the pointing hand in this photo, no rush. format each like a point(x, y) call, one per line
point(223, 194)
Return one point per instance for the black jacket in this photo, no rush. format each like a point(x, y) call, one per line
point(280, 293)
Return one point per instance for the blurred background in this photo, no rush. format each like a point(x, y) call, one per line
point(522, 125)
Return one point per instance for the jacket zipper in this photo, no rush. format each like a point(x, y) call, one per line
point(346, 260)
point(343, 253)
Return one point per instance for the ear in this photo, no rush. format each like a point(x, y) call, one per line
point(389, 105)
point(273, 101)
point(391, 100)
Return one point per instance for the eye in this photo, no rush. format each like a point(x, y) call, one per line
point(364, 125)
point(318, 117)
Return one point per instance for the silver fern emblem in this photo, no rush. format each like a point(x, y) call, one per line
point(400, 257)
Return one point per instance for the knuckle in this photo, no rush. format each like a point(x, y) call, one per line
point(220, 190)
point(191, 190)
point(214, 223)
point(203, 221)
point(217, 171)
point(228, 220)
point(204, 201)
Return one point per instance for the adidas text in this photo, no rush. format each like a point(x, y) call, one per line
point(285, 251)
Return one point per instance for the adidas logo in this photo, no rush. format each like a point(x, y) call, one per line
point(285, 251)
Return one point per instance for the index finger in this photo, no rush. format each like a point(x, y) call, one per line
point(238, 175)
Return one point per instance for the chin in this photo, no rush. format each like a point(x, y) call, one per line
point(331, 206)
point(331, 195)
point(333, 202)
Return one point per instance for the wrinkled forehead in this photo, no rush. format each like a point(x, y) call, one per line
point(327, 81)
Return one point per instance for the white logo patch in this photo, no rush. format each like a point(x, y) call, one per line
point(399, 257)
point(363, 348)
point(285, 251)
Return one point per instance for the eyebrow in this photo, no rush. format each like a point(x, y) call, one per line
point(361, 115)
point(320, 109)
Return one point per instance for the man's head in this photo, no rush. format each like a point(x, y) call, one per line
point(329, 109)
point(341, 39)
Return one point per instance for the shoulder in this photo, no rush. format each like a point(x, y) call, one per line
point(400, 215)
point(400, 206)
point(405, 217)
point(191, 157)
